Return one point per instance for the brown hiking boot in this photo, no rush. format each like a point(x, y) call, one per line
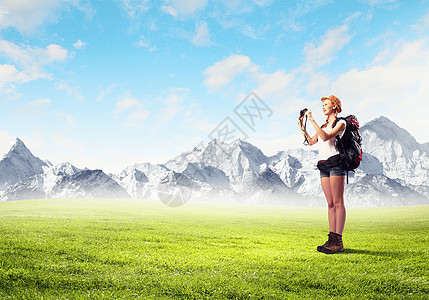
point(327, 243)
point(336, 246)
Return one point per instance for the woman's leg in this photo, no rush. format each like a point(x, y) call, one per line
point(326, 186)
point(337, 191)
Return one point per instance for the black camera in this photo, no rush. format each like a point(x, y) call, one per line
point(302, 112)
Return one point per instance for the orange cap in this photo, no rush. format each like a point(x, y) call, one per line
point(334, 100)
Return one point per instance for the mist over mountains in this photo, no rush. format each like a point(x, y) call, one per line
point(394, 172)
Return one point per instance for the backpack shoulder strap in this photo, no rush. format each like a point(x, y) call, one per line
point(338, 119)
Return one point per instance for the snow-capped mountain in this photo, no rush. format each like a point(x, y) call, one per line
point(392, 151)
point(87, 184)
point(231, 172)
point(65, 168)
point(381, 179)
point(27, 177)
point(18, 164)
point(59, 184)
point(380, 190)
point(394, 171)
point(297, 169)
point(141, 180)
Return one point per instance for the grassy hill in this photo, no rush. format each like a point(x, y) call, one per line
point(129, 249)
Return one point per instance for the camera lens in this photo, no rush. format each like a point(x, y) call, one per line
point(302, 112)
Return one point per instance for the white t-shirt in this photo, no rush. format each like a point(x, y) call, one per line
point(327, 148)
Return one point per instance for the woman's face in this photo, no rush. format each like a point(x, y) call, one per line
point(328, 107)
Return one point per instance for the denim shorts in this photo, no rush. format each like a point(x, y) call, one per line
point(332, 171)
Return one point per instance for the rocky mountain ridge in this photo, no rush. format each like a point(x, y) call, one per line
point(394, 171)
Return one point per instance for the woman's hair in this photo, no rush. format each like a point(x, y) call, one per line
point(326, 123)
point(327, 119)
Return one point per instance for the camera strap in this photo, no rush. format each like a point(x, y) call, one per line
point(303, 129)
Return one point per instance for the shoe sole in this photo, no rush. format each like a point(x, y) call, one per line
point(327, 251)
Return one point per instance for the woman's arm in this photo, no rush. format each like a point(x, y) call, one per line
point(326, 135)
point(313, 140)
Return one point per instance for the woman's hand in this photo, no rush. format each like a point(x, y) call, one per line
point(300, 121)
point(309, 115)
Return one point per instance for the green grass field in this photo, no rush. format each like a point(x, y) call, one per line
point(128, 249)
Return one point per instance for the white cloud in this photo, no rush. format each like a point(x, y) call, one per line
point(422, 24)
point(169, 10)
point(5, 142)
point(34, 109)
point(173, 103)
point(10, 75)
point(134, 108)
point(136, 117)
point(394, 78)
point(144, 43)
point(377, 2)
point(251, 32)
point(262, 3)
point(134, 8)
point(199, 123)
point(39, 102)
point(202, 35)
point(105, 91)
point(126, 103)
point(318, 84)
point(68, 117)
point(70, 89)
point(255, 33)
point(223, 72)
point(273, 84)
point(291, 105)
point(235, 7)
point(79, 44)
point(29, 60)
point(305, 7)
point(332, 42)
point(183, 7)
point(56, 52)
point(398, 88)
point(16, 53)
point(62, 141)
point(27, 15)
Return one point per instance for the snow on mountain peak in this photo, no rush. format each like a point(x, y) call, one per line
point(250, 150)
point(17, 142)
point(17, 147)
point(400, 155)
point(65, 168)
point(388, 131)
point(18, 164)
point(395, 169)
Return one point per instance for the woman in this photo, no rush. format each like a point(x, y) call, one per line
point(331, 172)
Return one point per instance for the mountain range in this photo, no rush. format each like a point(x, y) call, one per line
point(394, 172)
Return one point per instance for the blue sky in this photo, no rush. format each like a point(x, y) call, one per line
point(105, 84)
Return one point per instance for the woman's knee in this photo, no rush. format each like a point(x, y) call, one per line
point(338, 203)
